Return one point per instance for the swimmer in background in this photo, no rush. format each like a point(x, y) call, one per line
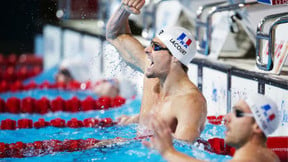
point(77, 69)
point(247, 128)
point(107, 87)
point(63, 76)
point(167, 90)
point(104, 87)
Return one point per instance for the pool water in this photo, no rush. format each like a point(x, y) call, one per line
point(131, 150)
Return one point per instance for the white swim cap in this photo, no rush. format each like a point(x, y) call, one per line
point(180, 42)
point(265, 112)
point(78, 68)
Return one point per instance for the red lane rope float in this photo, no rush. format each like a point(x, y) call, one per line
point(218, 146)
point(18, 85)
point(19, 60)
point(9, 124)
point(12, 74)
point(43, 105)
point(215, 120)
point(14, 67)
point(21, 150)
point(280, 146)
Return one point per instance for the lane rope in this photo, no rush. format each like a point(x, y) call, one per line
point(44, 105)
point(9, 124)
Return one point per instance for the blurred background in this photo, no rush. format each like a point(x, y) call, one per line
point(22, 21)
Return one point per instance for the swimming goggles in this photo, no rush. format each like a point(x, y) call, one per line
point(239, 113)
point(157, 47)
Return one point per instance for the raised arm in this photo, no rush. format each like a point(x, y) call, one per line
point(118, 33)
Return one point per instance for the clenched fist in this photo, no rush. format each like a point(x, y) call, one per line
point(133, 6)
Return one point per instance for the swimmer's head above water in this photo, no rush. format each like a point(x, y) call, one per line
point(115, 87)
point(258, 116)
point(170, 41)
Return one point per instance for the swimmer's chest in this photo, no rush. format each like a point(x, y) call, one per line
point(166, 111)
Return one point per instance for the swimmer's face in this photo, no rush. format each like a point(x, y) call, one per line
point(158, 59)
point(239, 129)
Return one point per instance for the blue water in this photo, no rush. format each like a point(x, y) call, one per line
point(132, 150)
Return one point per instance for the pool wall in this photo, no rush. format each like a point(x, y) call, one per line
point(221, 83)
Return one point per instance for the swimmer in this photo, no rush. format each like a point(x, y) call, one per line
point(104, 87)
point(247, 129)
point(107, 87)
point(167, 90)
point(77, 69)
point(63, 76)
point(70, 69)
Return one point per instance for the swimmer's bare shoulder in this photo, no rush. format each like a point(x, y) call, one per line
point(191, 101)
point(262, 154)
point(190, 111)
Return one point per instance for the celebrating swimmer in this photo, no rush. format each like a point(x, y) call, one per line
point(167, 90)
point(247, 128)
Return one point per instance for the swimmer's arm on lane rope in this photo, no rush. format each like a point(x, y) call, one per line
point(118, 33)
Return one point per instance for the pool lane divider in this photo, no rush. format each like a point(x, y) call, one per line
point(40, 148)
point(18, 85)
point(9, 124)
point(43, 105)
point(14, 67)
point(21, 150)
point(216, 120)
